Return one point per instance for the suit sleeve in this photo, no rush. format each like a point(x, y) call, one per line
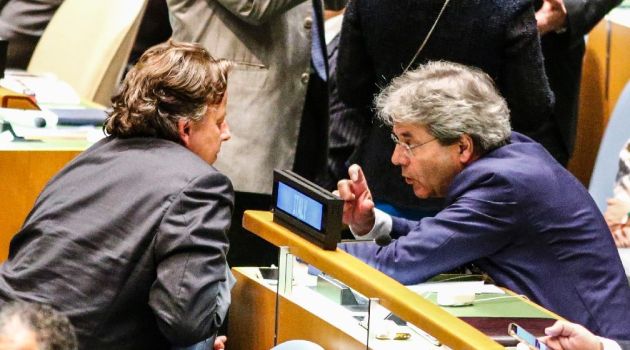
point(583, 15)
point(523, 79)
point(475, 226)
point(257, 12)
point(190, 295)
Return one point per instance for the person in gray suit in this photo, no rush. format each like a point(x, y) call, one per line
point(273, 88)
point(22, 23)
point(129, 239)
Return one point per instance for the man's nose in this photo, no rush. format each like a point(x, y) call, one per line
point(225, 132)
point(398, 156)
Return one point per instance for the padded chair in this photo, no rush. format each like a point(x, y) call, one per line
point(607, 161)
point(87, 44)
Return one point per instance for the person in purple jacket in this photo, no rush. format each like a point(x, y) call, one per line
point(511, 209)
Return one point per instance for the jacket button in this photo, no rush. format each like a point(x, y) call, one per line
point(308, 22)
point(304, 78)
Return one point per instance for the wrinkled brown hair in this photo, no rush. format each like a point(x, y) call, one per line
point(171, 80)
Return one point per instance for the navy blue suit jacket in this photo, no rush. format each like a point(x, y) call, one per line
point(532, 226)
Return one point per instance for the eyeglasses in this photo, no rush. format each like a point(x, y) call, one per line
point(408, 148)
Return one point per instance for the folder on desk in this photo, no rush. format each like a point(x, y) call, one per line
point(12, 99)
point(80, 116)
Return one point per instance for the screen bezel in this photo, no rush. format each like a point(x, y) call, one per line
point(332, 210)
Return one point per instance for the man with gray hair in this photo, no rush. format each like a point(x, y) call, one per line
point(510, 208)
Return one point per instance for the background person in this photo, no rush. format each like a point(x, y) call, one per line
point(129, 240)
point(22, 23)
point(564, 335)
point(380, 39)
point(618, 210)
point(32, 326)
point(562, 25)
point(511, 209)
point(278, 103)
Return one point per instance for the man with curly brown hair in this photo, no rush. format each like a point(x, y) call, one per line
point(129, 239)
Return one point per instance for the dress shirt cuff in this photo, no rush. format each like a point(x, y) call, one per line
point(382, 227)
point(609, 344)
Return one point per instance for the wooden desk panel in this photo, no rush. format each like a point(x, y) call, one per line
point(23, 174)
point(252, 315)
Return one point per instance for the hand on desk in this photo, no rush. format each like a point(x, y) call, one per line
point(358, 207)
point(564, 335)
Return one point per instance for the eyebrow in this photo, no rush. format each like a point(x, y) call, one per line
point(406, 134)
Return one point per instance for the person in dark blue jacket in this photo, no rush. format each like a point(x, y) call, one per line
point(511, 210)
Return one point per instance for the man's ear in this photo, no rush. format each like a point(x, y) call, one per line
point(466, 149)
point(183, 129)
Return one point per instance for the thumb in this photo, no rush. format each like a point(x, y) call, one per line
point(557, 329)
point(367, 205)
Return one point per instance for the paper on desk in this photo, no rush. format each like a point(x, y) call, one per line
point(47, 89)
point(477, 287)
point(88, 133)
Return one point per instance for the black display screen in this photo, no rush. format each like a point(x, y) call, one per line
point(307, 209)
point(300, 206)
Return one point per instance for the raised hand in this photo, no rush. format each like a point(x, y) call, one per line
point(358, 208)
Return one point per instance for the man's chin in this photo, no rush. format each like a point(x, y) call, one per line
point(420, 192)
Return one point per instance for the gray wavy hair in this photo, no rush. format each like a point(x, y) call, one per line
point(450, 99)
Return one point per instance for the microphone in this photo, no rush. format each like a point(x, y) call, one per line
point(383, 240)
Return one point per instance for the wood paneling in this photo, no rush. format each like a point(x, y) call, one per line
point(605, 72)
point(23, 174)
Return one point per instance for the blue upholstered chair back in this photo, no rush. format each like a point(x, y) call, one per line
point(607, 162)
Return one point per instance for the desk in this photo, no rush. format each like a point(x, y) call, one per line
point(252, 315)
point(25, 168)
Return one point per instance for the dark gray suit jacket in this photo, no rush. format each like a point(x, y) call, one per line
point(129, 241)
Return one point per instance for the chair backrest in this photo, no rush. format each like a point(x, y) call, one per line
point(87, 44)
point(607, 161)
